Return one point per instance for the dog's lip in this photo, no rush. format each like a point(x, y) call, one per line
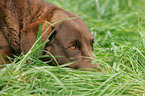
point(88, 68)
point(85, 57)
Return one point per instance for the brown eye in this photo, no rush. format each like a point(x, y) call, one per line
point(73, 47)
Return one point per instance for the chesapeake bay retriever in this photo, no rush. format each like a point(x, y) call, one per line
point(19, 22)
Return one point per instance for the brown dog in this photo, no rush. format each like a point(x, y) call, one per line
point(19, 22)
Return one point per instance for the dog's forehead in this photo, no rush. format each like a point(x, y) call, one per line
point(68, 32)
point(71, 28)
point(76, 28)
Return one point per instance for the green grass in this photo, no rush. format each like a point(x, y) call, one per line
point(119, 29)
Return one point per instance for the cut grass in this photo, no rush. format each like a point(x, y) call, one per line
point(118, 27)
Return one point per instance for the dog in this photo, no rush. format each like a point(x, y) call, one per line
point(71, 39)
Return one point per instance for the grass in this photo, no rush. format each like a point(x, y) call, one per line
point(119, 30)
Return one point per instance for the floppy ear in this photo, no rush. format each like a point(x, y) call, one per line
point(29, 35)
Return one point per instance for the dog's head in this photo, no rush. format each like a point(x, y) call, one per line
point(71, 40)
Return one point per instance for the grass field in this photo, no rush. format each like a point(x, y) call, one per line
point(119, 30)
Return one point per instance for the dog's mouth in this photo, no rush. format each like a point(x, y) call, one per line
point(78, 62)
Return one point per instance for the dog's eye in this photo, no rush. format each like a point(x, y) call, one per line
point(73, 47)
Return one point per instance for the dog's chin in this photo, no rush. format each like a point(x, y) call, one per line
point(86, 66)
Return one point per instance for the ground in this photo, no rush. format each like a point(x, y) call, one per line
point(119, 30)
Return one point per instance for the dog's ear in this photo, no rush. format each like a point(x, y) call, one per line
point(29, 34)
